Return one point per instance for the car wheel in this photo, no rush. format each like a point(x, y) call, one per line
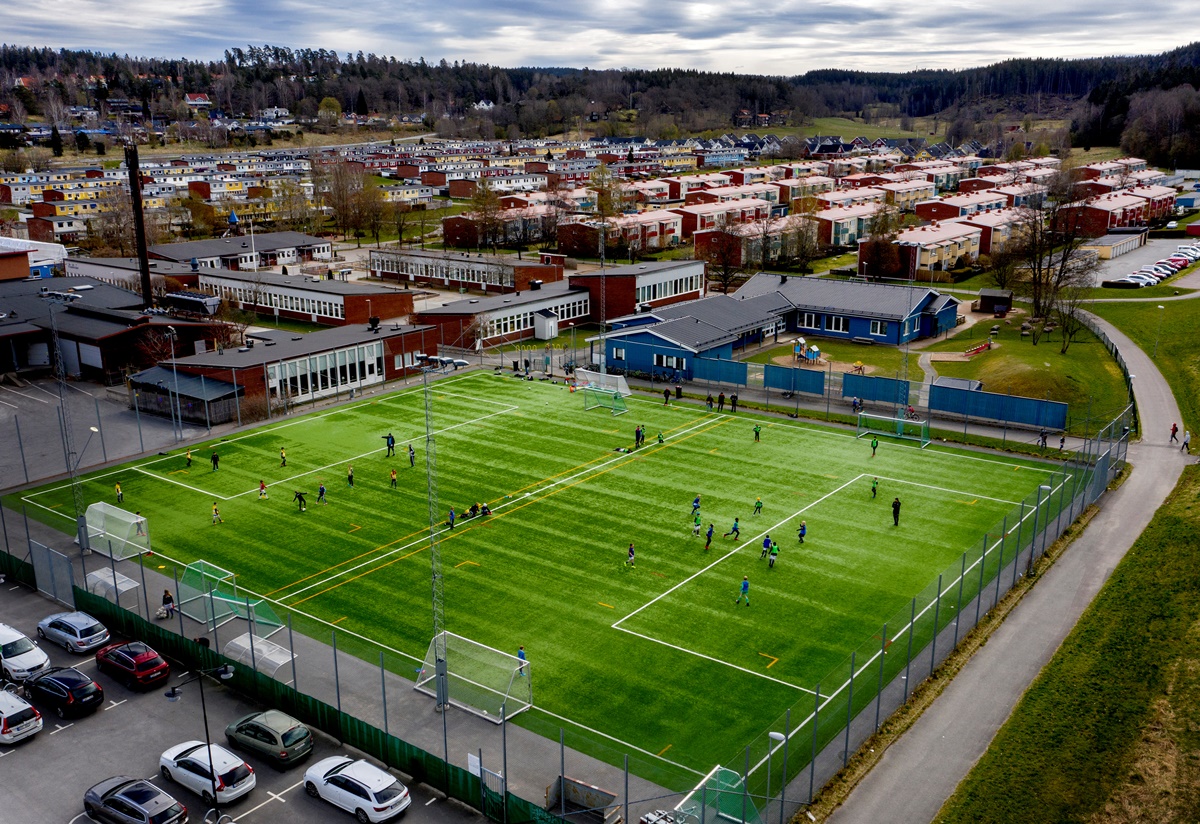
point(41, 633)
point(361, 815)
point(67, 646)
point(207, 797)
point(165, 773)
point(311, 789)
point(60, 712)
point(90, 811)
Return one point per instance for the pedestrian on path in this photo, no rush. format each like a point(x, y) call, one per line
point(1062, 441)
point(1187, 441)
point(745, 591)
point(733, 402)
point(709, 401)
point(666, 396)
point(896, 512)
point(168, 602)
point(1174, 433)
point(721, 402)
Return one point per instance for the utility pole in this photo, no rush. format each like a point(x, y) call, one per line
point(438, 595)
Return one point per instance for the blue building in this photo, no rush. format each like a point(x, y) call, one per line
point(853, 310)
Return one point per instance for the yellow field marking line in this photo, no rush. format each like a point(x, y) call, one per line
point(833, 477)
point(362, 575)
point(179, 471)
point(339, 620)
point(609, 606)
point(356, 527)
point(664, 749)
point(464, 563)
point(713, 451)
point(968, 503)
point(343, 563)
point(774, 660)
point(55, 506)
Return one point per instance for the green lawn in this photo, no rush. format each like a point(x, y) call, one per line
point(657, 656)
point(1115, 709)
point(1176, 345)
point(1086, 377)
point(888, 360)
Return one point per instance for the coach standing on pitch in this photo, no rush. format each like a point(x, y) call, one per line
point(896, 512)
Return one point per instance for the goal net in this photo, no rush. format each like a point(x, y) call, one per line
point(115, 532)
point(603, 399)
point(481, 680)
point(602, 381)
point(719, 797)
point(897, 426)
point(208, 594)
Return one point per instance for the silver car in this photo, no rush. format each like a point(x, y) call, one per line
point(73, 631)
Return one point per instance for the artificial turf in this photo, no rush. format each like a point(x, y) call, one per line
point(657, 655)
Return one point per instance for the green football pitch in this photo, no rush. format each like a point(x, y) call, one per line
point(656, 656)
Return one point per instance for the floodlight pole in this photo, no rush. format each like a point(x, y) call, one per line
point(224, 672)
point(60, 372)
point(435, 562)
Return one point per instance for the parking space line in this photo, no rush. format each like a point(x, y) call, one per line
point(6, 752)
point(430, 801)
point(23, 395)
point(60, 727)
point(274, 797)
point(112, 704)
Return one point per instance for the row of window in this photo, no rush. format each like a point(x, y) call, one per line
point(841, 323)
point(334, 371)
point(520, 321)
point(665, 361)
point(448, 270)
point(292, 303)
point(668, 289)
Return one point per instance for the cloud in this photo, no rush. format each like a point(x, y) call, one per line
point(786, 37)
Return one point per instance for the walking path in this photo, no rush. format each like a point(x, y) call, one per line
point(921, 770)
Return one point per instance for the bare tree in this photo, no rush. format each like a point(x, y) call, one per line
point(371, 209)
point(802, 242)
point(723, 256)
point(485, 206)
point(1067, 308)
point(400, 212)
point(878, 255)
point(1051, 237)
point(344, 181)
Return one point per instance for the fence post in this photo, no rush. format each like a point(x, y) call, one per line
point(178, 594)
point(250, 622)
point(21, 446)
point(1020, 525)
point(626, 785)
point(204, 391)
point(912, 625)
point(787, 735)
point(937, 611)
point(100, 426)
point(879, 690)
point(292, 650)
point(112, 564)
point(504, 749)
point(982, 565)
point(383, 695)
point(1000, 563)
point(237, 402)
point(337, 683)
point(213, 612)
point(812, 765)
point(958, 610)
point(62, 429)
point(849, 713)
point(137, 415)
point(746, 782)
point(145, 592)
point(562, 774)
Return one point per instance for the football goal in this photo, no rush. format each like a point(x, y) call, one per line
point(894, 426)
point(481, 680)
point(719, 797)
point(208, 594)
point(585, 378)
point(115, 532)
point(603, 399)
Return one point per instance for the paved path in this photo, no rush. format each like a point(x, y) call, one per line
point(921, 770)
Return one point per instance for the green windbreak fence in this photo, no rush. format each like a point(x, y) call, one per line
point(17, 570)
point(424, 767)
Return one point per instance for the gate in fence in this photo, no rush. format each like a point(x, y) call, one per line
point(493, 794)
point(53, 573)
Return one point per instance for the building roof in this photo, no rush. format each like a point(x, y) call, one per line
point(188, 386)
point(494, 303)
point(720, 311)
point(224, 247)
point(687, 333)
point(870, 300)
point(298, 281)
point(22, 301)
point(297, 346)
point(648, 268)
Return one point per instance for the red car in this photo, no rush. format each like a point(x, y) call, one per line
point(134, 664)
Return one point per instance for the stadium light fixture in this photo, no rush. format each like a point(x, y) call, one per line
point(771, 750)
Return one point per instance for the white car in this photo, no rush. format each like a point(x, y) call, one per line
point(19, 657)
point(18, 719)
point(1148, 280)
point(73, 631)
point(357, 787)
point(187, 764)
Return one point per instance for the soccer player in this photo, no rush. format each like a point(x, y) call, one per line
point(735, 530)
point(696, 526)
point(757, 432)
point(299, 499)
point(766, 547)
point(139, 522)
point(708, 537)
point(629, 560)
point(120, 494)
point(391, 445)
point(757, 506)
point(774, 555)
point(393, 479)
point(1187, 440)
point(349, 475)
point(412, 456)
point(521, 657)
point(216, 461)
point(666, 396)
point(262, 489)
point(802, 531)
point(451, 518)
point(282, 457)
point(217, 519)
point(745, 591)
point(321, 493)
point(709, 401)
point(189, 458)
point(896, 512)
point(695, 504)
point(660, 437)
point(874, 445)
point(874, 487)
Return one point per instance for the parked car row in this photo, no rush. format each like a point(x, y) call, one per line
point(1151, 274)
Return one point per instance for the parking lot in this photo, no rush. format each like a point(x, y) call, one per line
point(46, 776)
point(1132, 261)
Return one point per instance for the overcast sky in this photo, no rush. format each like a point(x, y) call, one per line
point(755, 36)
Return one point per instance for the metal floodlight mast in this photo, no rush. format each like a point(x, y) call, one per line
point(60, 373)
point(438, 594)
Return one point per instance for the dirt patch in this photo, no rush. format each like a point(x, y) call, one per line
point(838, 366)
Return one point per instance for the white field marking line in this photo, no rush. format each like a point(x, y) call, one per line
point(616, 740)
point(589, 470)
point(165, 479)
point(949, 491)
point(715, 660)
point(23, 395)
point(274, 797)
point(359, 457)
point(907, 626)
point(242, 437)
point(616, 624)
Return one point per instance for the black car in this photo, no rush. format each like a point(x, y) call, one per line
point(125, 800)
point(65, 690)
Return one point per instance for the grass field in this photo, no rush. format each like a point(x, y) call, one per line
point(658, 655)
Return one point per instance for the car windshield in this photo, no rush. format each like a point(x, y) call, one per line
point(91, 632)
point(18, 647)
point(149, 664)
point(235, 775)
point(169, 814)
point(294, 736)
point(389, 793)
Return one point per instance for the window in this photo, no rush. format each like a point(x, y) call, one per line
point(810, 320)
point(879, 327)
point(669, 361)
point(838, 323)
point(618, 353)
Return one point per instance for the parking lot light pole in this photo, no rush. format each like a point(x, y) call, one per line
point(175, 693)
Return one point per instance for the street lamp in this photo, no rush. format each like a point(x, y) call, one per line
point(79, 455)
point(224, 672)
point(771, 749)
point(1156, 334)
point(171, 335)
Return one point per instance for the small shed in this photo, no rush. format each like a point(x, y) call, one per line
point(995, 300)
point(958, 383)
point(545, 324)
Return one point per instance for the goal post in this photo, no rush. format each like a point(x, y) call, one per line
point(894, 426)
point(481, 680)
point(719, 798)
point(603, 399)
point(116, 532)
point(208, 594)
point(603, 381)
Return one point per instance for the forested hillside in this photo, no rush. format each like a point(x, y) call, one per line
point(1149, 102)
